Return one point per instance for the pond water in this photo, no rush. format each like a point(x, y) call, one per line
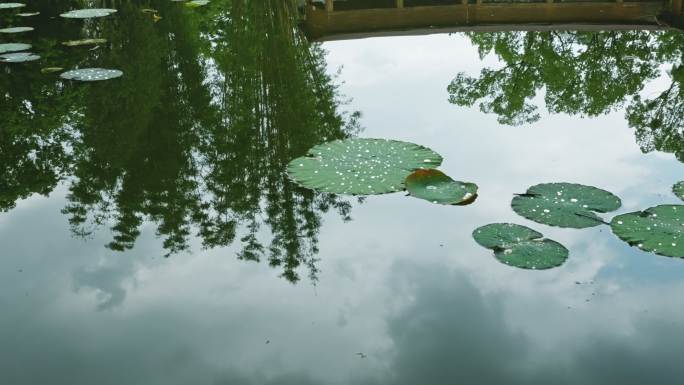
point(151, 235)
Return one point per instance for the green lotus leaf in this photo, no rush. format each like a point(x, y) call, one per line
point(88, 13)
point(361, 166)
point(520, 246)
point(16, 29)
point(14, 47)
point(91, 74)
point(11, 5)
point(658, 229)
point(28, 14)
point(18, 57)
point(678, 190)
point(76, 43)
point(437, 187)
point(565, 204)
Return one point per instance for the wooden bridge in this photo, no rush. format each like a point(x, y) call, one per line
point(350, 19)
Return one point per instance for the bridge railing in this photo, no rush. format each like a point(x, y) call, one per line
point(333, 20)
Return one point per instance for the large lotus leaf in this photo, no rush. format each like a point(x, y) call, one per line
point(91, 74)
point(88, 13)
point(16, 29)
point(361, 166)
point(14, 47)
point(520, 246)
point(678, 190)
point(565, 204)
point(659, 229)
point(76, 43)
point(437, 187)
point(18, 57)
point(11, 5)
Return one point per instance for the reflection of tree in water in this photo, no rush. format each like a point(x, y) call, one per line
point(34, 115)
point(33, 156)
point(196, 135)
point(659, 122)
point(587, 73)
point(274, 103)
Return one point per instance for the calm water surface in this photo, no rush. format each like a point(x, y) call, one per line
point(150, 234)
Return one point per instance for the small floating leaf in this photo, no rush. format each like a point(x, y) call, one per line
point(16, 29)
point(28, 14)
point(361, 166)
point(196, 3)
point(658, 229)
point(76, 43)
point(678, 190)
point(437, 187)
point(49, 70)
point(520, 246)
point(11, 5)
point(91, 74)
point(565, 204)
point(14, 47)
point(88, 13)
point(18, 57)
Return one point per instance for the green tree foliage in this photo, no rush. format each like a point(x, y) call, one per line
point(585, 73)
point(195, 136)
point(659, 122)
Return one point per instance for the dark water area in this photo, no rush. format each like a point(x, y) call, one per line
point(151, 234)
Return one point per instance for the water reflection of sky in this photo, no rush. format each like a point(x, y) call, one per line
point(402, 283)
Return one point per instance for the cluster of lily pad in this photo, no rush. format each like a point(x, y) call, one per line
point(17, 52)
point(658, 229)
point(379, 166)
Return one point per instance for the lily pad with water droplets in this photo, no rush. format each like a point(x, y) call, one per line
point(361, 166)
point(18, 57)
point(658, 229)
point(16, 29)
point(91, 74)
point(88, 13)
point(11, 5)
point(437, 187)
point(520, 246)
point(14, 47)
point(565, 204)
point(678, 190)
